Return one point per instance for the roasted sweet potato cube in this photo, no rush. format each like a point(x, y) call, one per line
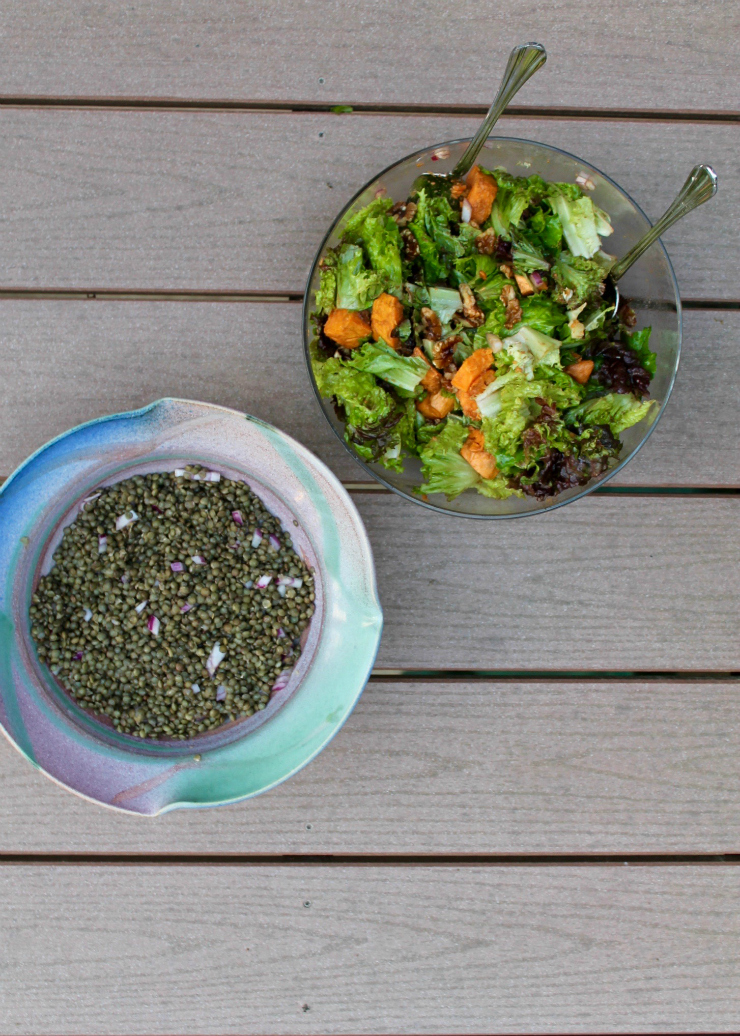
point(482, 381)
point(481, 194)
point(435, 406)
point(468, 404)
point(387, 314)
point(580, 371)
point(346, 327)
point(432, 380)
point(470, 369)
point(475, 453)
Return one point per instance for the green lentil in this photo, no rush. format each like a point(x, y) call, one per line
point(108, 618)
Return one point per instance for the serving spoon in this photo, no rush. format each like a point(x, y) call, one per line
point(523, 62)
point(700, 186)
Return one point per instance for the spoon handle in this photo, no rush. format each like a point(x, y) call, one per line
point(524, 61)
point(700, 186)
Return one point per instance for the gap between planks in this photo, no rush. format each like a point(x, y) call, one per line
point(368, 108)
point(194, 295)
point(390, 860)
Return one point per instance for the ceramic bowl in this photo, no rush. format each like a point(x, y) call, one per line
point(86, 754)
point(650, 285)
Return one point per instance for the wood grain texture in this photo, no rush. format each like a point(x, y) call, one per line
point(241, 201)
point(69, 362)
point(441, 768)
point(369, 950)
point(624, 54)
point(617, 584)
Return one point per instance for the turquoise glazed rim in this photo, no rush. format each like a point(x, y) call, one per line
point(307, 707)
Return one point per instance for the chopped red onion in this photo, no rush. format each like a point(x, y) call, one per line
point(537, 279)
point(157, 509)
point(274, 542)
point(282, 589)
point(77, 656)
point(466, 212)
point(440, 152)
point(220, 692)
point(293, 581)
point(237, 516)
point(198, 559)
point(89, 499)
point(215, 659)
point(153, 625)
point(179, 472)
point(210, 476)
point(124, 578)
point(140, 607)
point(88, 614)
point(185, 608)
point(282, 681)
point(281, 632)
point(177, 566)
point(257, 538)
point(235, 546)
point(195, 688)
point(126, 519)
point(102, 544)
point(263, 581)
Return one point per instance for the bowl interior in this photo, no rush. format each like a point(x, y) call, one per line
point(309, 705)
point(650, 285)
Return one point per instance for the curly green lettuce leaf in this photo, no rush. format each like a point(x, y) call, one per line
point(326, 293)
point(526, 256)
point(477, 270)
point(405, 372)
point(544, 230)
point(542, 313)
point(434, 268)
point(639, 343)
point(579, 280)
point(514, 195)
point(356, 288)
point(583, 222)
point(494, 324)
point(443, 467)
point(529, 347)
point(488, 292)
point(378, 232)
point(365, 403)
point(513, 407)
point(354, 225)
point(445, 302)
point(617, 410)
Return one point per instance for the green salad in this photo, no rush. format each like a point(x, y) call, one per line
point(466, 326)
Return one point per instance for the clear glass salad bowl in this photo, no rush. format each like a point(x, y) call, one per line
point(650, 285)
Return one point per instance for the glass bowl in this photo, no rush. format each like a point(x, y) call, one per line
point(650, 285)
point(308, 704)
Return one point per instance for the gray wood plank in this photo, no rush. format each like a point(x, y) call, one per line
point(607, 583)
point(113, 356)
point(369, 950)
point(241, 201)
point(440, 768)
point(623, 53)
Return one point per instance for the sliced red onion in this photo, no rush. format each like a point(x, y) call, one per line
point(215, 659)
point(157, 509)
point(210, 476)
point(179, 472)
point(156, 584)
point(89, 499)
point(440, 152)
point(153, 625)
point(237, 516)
point(185, 609)
point(257, 538)
point(126, 519)
point(220, 692)
point(281, 632)
point(282, 681)
point(293, 581)
point(249, 584)
point(124, 578)
point(102, 544)
point(88, 614)
point(282, 589)
point(235, 546)
point(274, 542)
point(76, 657)
point(140, 607)
point(263, 581)
point(466, 211)
point(537, 279)
point(195, 688)
point(177, 566)
point(198, 559)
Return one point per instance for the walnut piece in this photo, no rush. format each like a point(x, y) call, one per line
point(459, 189)
point(410, 244)
point(403, 212)
point(486, 243)
point(443, 352)
point(513, 309)
point(430, 323)
point(471, 310)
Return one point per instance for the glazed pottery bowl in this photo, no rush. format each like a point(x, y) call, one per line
point(308, 705)
point(650, 285)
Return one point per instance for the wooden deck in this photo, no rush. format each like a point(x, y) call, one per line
point(531, 822)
